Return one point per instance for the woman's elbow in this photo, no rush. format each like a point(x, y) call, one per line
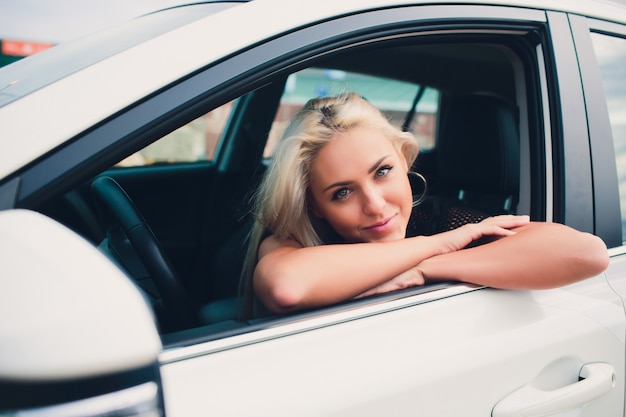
point(277, 292)
point(283, 298)
point(594, 255)
point(585, 252)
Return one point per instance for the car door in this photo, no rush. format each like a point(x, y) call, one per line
point(601, 47)
point(451, 349)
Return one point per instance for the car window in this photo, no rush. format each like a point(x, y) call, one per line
point(201, 216)
point(195, 141)
point(198, 139)
point(611, 54)
point(440, 112)
point(396, 99)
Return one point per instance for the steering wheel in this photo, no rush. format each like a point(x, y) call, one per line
point(175, 299)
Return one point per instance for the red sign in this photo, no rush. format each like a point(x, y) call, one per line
point(21, 48)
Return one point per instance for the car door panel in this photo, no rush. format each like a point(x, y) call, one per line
point(455, 356)
point(616, 272)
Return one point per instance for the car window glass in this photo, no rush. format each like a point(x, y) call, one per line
point(195, 141)
point(611, 54)
point(395, 99)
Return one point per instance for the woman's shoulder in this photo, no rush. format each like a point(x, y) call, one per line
point(271, 244)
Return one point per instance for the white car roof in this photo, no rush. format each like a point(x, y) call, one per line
point(42, 120)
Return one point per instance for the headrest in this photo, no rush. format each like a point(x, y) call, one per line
point(478, 147)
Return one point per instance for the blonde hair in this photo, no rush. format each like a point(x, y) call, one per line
point(280, 205)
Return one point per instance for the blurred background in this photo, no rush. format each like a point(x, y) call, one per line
point(30, 26)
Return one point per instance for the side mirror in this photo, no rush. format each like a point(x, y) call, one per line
point(76, 335)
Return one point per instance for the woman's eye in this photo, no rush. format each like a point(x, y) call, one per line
point(340, 194)
point(384, 170)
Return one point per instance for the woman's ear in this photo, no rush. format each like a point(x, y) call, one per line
point(401, 149)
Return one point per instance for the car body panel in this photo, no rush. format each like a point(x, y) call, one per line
point(614, 273)
point(453, 356)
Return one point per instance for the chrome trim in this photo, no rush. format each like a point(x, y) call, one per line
point(617, 251)
point(137, 401)
point(305, 324)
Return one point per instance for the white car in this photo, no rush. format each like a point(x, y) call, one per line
point(126, 162)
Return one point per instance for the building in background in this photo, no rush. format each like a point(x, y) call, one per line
point(31, 26)
point(12, 50)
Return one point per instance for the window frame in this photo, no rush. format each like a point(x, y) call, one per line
point(235, 334)
point(237, 75)
point(128, 131)
point(606, 190)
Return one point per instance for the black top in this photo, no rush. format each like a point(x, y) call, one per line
point(437, 215)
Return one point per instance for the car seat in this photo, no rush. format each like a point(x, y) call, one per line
point(478, 153)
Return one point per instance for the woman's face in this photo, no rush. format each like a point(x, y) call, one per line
point(359, 184)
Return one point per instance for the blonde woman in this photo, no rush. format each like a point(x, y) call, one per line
point(333, 222)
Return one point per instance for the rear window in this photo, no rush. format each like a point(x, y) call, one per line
point(409, 106)
point(611, 54)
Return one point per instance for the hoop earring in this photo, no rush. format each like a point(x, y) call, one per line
point(417, 201)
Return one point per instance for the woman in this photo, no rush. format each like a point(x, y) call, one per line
point(333, 214)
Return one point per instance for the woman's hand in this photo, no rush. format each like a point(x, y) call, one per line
point(411, 278)
point(497, 226)
point(538, 256)
point(454, 240)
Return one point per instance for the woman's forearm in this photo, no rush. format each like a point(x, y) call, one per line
point(289, 279)
point(538, 256)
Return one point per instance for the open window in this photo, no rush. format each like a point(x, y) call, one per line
point(466, 100)
point(466, 96)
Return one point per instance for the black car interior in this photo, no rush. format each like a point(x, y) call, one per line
point(482, 170)
point(179, 230)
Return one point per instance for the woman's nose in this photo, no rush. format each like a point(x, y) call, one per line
point(373, 201)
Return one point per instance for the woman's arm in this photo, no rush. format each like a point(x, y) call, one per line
point(289, 277)
point(537, 256)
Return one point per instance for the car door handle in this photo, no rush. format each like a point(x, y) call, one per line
point(596, 379)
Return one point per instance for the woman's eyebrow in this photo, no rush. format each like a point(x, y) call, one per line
point(377, 164)
point(369, 171)
point(337, 184)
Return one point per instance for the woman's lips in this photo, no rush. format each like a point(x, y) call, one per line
point(382, 226)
